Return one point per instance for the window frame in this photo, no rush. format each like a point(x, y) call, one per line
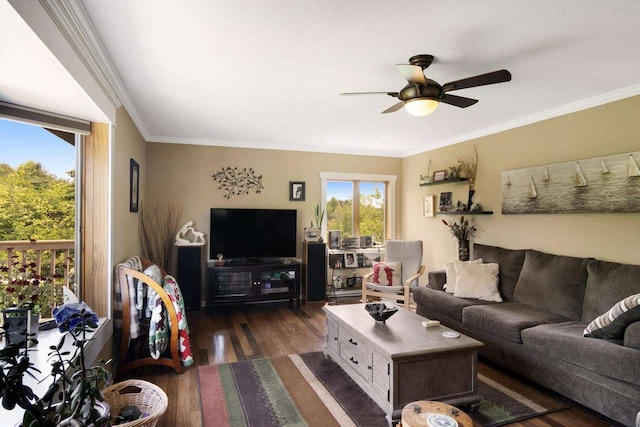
point(390, 197)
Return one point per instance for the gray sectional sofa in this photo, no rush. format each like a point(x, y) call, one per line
point(537, 331)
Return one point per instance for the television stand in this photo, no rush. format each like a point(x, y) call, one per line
point(265, 280)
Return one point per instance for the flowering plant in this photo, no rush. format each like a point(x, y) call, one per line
point(461, 231)
point(23, 287)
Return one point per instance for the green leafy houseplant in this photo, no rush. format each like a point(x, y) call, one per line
point(76, 386)
point(14, 365)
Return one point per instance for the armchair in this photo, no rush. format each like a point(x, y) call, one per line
point(409, 254)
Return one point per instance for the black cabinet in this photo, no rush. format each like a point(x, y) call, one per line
point(314, 271)
point(189, 275)
point(240, 283)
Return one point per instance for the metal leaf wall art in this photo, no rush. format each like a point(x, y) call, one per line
point(237, 182)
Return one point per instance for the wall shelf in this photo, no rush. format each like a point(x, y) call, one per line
point(466, 213)
point(446, 181)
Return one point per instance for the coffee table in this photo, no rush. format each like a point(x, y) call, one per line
point(400, 361)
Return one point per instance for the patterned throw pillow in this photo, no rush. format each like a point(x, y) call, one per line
point(613, 323)
point(387, 273)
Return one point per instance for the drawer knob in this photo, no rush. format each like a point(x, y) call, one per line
point(353, 360)
point(335, 338)
point(369, 367)
point(352, 341)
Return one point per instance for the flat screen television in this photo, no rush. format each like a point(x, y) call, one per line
point(253, 233)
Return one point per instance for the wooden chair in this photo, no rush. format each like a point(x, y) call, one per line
point(123, 364)
point(409, 253)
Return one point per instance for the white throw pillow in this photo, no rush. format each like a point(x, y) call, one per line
point(478, 281)
point(450, 270)
point(387, 273)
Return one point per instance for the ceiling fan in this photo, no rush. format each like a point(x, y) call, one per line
point(421, 96)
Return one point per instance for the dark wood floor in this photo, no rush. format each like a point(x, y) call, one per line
point(266, 330)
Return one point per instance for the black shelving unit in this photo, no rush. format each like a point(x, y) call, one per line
point(239, 283)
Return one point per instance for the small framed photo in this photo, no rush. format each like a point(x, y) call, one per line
point(134, 185)
point(445, 201)
point(439, 175)
point(336, 261)
point(312, 234)
point(296, 191)
point(350, 260)
point(428, 203)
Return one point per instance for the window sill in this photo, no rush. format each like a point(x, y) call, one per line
point(39, 357)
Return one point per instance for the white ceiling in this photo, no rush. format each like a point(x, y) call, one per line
point(267, 73)
point(31, 76)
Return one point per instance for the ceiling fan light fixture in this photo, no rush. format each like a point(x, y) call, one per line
point(420, 107)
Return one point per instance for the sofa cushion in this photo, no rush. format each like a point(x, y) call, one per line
point(608, 283)
point(613, 323)
point(478, 281)
point(553, 283)
point(442, 302)
point(507, 319)
point(510, 262)
point(632, 336)
point(564, 341)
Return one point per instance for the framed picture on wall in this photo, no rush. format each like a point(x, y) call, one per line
point(296, 191)
point(445, 201)
point(427, 206)
point(134, 185)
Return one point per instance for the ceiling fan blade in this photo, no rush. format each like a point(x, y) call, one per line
point(458, 101)
point(394, 107)
point(500, 76)
point(394, 94)
point(412, 73)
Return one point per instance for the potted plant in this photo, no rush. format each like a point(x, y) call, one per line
point(24, 294)
point(14, 365)
point(75, 386)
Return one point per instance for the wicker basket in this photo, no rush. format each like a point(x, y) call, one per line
point(148, 397)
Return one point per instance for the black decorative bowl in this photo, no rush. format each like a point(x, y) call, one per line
point(379, 311)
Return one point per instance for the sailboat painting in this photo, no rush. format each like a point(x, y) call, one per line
point(578, 177)
point(603, 184)
point(533, 193)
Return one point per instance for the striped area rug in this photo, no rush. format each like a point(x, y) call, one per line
point(309, 390)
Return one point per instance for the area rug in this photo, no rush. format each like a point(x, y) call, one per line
point(309, 390)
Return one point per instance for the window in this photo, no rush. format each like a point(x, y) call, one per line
point(39, 211)
point(359, 205)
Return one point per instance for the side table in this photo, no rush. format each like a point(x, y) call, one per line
point(416, 414)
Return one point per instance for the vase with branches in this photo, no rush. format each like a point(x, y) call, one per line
point(463, 232)
point(157, 227)
point(469, 166)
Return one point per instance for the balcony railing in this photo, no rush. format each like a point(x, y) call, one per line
point(51, 257)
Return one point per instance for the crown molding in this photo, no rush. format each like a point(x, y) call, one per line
point(574, 107)
point(74, 23)
point(269, 146)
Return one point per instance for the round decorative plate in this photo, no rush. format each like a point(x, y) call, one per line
point(450, 334)
point(438, 420)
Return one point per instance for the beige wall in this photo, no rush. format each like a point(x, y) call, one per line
point(609, 129)
point(128, 144)
point(182, 173)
